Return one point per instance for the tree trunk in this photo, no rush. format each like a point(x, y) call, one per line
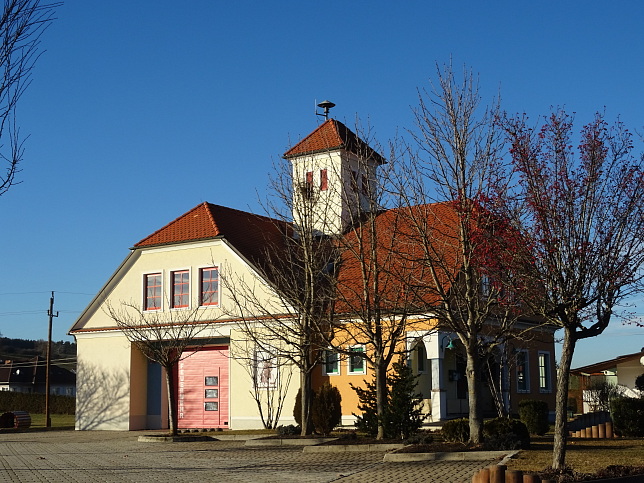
point(381, 397)
point(307, 399)
point(172, 405)
point(473, 392)
point(561, 416)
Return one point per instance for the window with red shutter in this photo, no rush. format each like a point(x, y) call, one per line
point(324, 180)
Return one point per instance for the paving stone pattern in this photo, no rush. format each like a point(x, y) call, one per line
point(106, 456)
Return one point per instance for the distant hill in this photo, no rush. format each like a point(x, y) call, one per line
point(20, 349)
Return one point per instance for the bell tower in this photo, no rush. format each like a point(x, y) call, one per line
point(334, 176)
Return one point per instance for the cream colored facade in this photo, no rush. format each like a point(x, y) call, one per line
point(113, 375)
point(335, 207)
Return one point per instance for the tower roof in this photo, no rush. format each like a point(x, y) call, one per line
point(330, 135)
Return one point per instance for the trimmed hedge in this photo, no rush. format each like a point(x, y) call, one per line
point(35, 403)
point(326, 410)
point(534, 414)
point(506, 433)
point(628, 416)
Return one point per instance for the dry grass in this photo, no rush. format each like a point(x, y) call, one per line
point(58, 421)
point(587, 455)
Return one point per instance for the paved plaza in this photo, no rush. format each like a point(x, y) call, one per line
point(106, 456)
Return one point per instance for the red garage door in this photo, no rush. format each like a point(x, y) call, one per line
point(203, 389)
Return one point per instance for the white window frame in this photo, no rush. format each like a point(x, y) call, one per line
point(171, 286)
point(199, 287)
point(526, 371)
point(144, 290)
point(547, 372)
point(325, 372)
point(356, 348)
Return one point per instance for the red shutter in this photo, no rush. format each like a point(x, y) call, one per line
point(324, 180)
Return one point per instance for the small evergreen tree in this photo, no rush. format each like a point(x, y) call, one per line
point(404, 415)
point(368, 421)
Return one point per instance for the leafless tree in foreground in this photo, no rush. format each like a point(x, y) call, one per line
point(453, 187)
point(270, 377)
point(584, 223)
point(21, 26)
point(164, 337)
point(375, 300)
point(296, 267)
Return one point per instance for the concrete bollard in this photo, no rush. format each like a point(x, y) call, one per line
point(602, 430)
point(514, 476)
point(594, 431)
point(531, 479)
point(497, 473)
point(609, 430)
point(583, 433)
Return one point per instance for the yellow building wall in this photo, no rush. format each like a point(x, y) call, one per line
point(112, 379)
point(103, 382)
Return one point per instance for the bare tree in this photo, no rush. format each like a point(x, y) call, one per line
point(584, 223)
point(454, 188)
point(21, 26)
point(376, 304)
point(163, 337)
point(297, 267)
point(270, 378)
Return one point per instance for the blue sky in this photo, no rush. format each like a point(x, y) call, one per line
point(140, 110)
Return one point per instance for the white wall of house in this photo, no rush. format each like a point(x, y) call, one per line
point(627, 374)
point(336, 206)
point(112, 376)
point(103, 381)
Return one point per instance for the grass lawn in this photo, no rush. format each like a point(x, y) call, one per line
point(584, 455)
point(58, 421)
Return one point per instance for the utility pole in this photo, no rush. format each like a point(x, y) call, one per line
point(51, 315)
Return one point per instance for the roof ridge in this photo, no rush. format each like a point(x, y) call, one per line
point(208, 208)
point(316, 132)
point(268, 218)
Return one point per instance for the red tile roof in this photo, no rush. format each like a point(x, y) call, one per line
point(399, 255)
point(330, 135)
point(400, 258)
point(247, 232)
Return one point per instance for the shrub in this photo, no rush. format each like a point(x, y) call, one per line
point(421, 437)
point(639, 384)
point(534, 414)
point(628, 416)
point(288, 430)
point(456, 430)
point(297, 409)
point(506, 433)
point(35, 403)
point(327, 409)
